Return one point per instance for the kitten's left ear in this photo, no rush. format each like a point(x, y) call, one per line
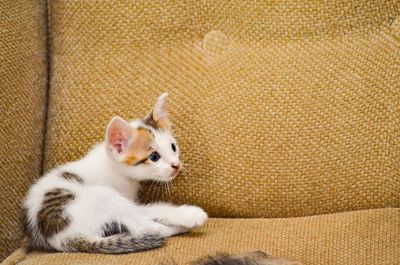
point(118, 135)
point(158, 117)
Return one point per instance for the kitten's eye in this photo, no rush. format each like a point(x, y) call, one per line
point(154, 156)
point(173, 146)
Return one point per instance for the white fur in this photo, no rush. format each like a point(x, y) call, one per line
point(109, 193)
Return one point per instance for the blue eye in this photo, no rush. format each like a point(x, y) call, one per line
point(154, 156)
point(173, 146)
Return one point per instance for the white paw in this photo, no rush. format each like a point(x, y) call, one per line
point(190, 216)
point(181, 230)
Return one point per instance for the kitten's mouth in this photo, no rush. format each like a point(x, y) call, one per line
point(173, 175)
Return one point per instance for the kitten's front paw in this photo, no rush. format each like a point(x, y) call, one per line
point(191, 216)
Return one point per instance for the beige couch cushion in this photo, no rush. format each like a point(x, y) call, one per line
point(281, 109)
point(360, 237)
point(22, 108)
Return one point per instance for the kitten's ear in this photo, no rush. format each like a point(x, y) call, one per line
point(158, 117)
point(118, 134)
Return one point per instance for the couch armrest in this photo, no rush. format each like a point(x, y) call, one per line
point(23, 75)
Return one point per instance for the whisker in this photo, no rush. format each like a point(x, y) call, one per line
point(158, 191)
point(184, 167)
point(185, 172)
point(163, 191)
point(149, 190)
point(169, 186)
point(166, 189)
point(140, 188)
point(186, 164)
point(172, 188)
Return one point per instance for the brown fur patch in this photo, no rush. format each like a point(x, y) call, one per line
point(143, 161)
point(71, 176)
point(32, 241)
point(130, 159)
point(158, 124)
point(115, 244)
point(149, 121)
point(51, 219)
point(140, 148)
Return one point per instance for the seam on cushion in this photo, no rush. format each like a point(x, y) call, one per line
point(47, 81)
point(15, 258)
point(18, 260)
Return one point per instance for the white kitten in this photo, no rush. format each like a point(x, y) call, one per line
point(89, 205)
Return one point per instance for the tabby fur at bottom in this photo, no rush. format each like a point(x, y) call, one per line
point(250, 258)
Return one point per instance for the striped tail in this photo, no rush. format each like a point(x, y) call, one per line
point(114, 244)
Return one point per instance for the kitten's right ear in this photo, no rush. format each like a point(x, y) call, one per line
point(158, 117)
point(118, 134)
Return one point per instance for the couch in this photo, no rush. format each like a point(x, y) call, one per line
point(287, 114)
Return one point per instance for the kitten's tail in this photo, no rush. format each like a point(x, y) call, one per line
point(115, 244)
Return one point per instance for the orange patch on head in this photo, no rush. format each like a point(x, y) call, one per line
point(130, 159)
point(140, 148)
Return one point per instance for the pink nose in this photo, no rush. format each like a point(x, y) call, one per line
point(175, 165)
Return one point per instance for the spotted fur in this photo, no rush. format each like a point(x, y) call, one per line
point(51, 219)
point(113, 228)
point(71, 177)
point(115, 244)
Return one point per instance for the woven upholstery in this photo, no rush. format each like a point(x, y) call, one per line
point(361, 237)
point(22, 105)
point(281, 109)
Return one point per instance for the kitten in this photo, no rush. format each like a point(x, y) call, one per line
point(89, 205)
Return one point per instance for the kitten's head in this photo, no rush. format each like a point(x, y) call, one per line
point(145, 149)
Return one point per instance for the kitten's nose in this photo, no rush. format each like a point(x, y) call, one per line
point(175, 165)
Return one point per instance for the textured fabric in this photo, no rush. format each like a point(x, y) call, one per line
point(22, 105)
point(360, 237)
point(281, 108)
